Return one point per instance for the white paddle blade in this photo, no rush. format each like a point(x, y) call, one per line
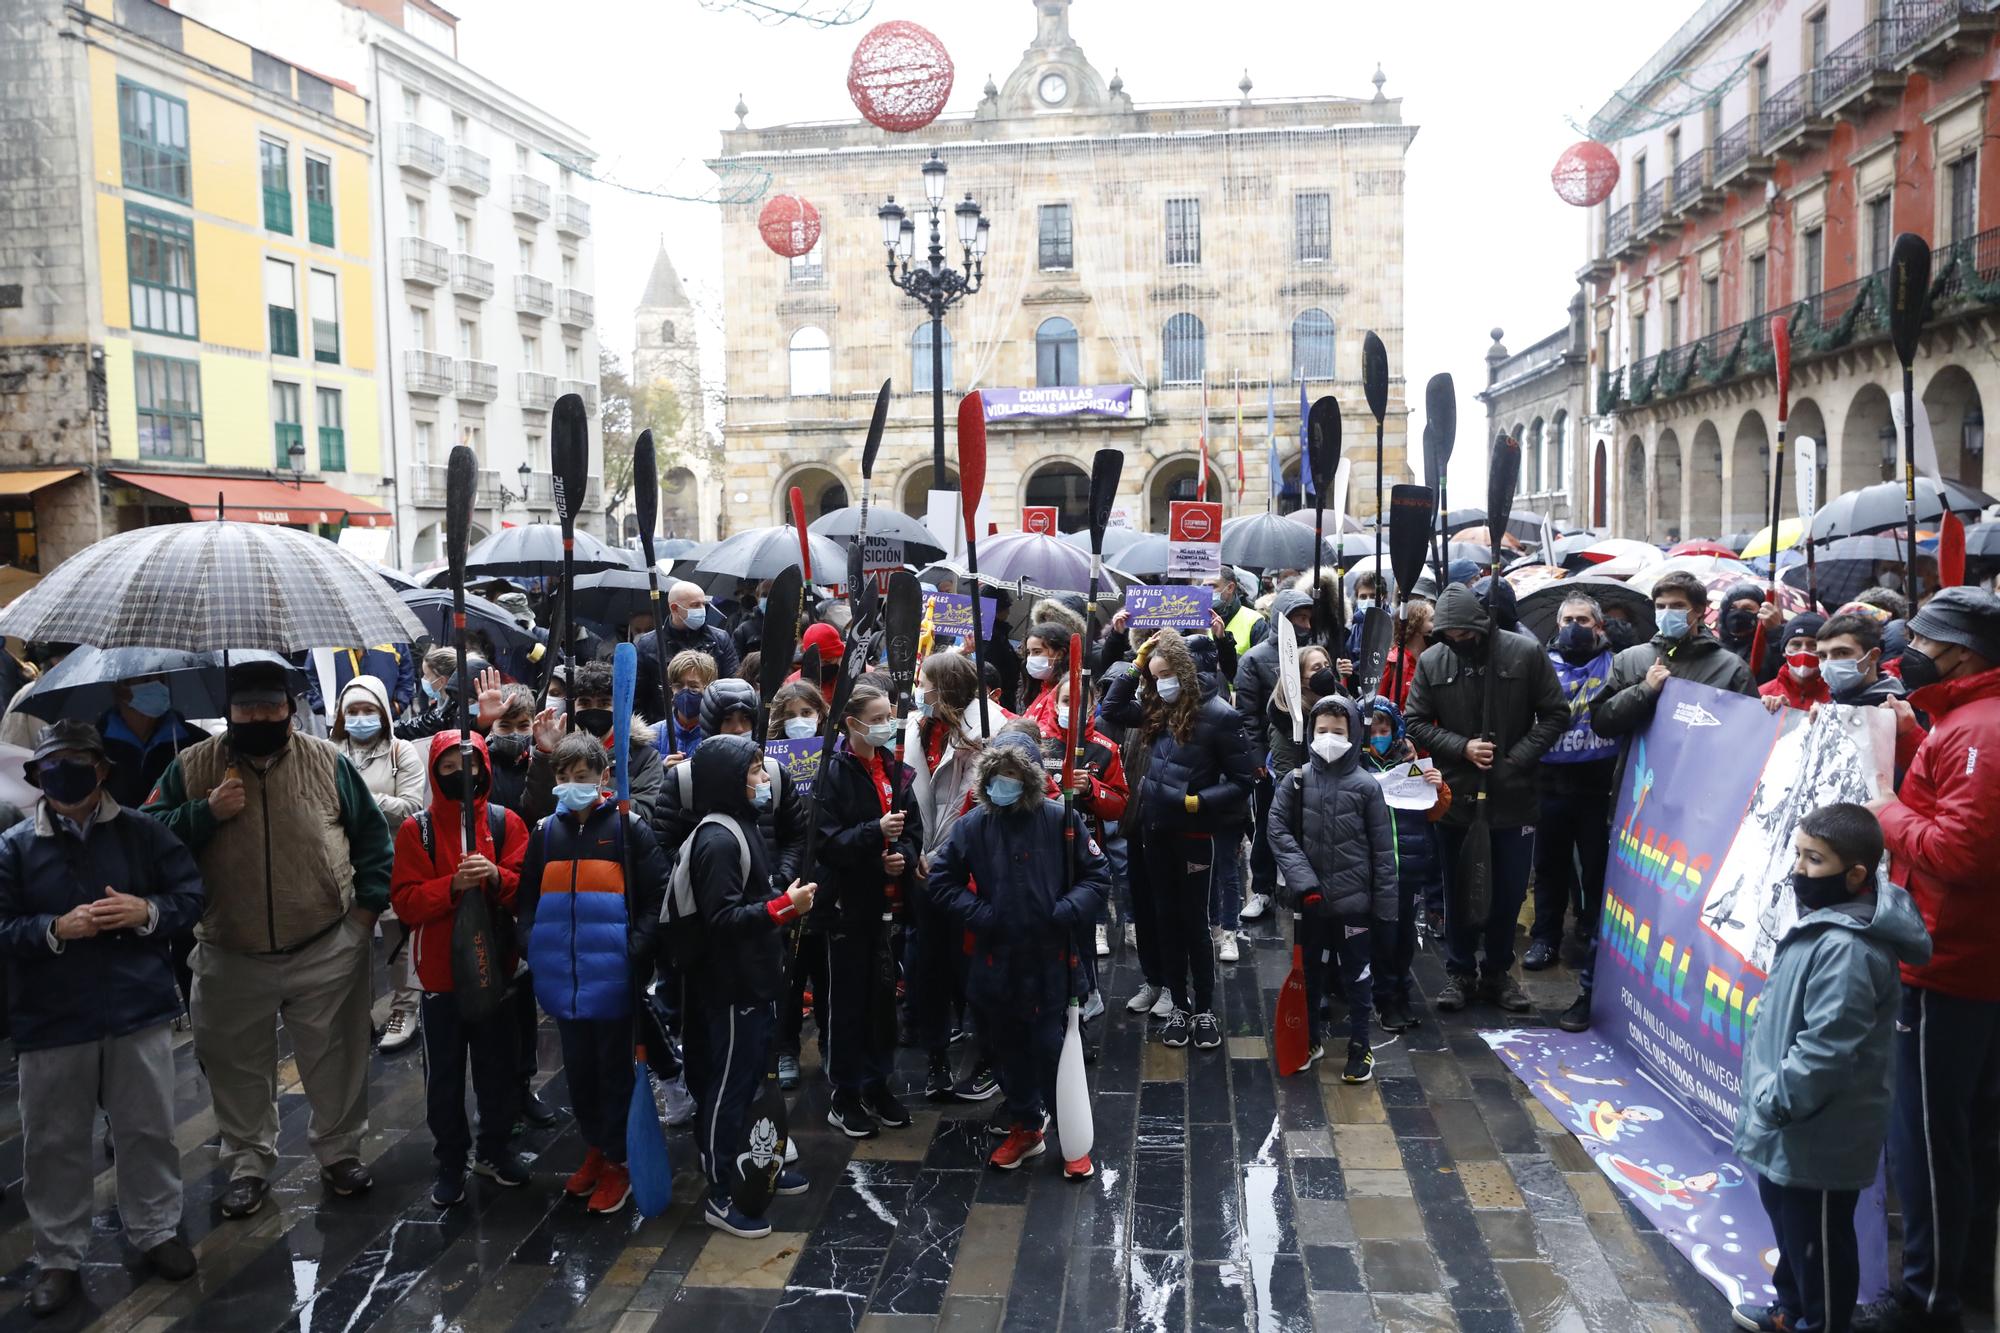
point(1288, 677)
point(1807, 479)
point(1342, 475)
point(1074, 1128)
point(1926, 445)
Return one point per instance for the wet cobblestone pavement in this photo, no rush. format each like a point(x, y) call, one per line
point(1439, 1197)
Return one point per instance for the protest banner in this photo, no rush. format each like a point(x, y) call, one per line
point(1697, 895)
point(799, 759)
point(880, 553)
point(951, 615)
point(1177, 607)
point(1194, 539)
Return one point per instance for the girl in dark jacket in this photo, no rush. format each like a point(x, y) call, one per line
point(869, 836)
point(1419, 861)
point(1192, 801)
point(1023, 874)
point(1336, 850)
point(797, 712)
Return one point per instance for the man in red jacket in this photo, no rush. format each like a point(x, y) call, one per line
point(1941, 831)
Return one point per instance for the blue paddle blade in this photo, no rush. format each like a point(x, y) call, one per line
point(646, 1148)
point(624, 684)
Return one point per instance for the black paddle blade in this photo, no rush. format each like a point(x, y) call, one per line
point(1440, 427)
point(757, 1170)
point(781, 631)
point(1378, 631)
point(903, 620)
point(569, 455)
point(809, 666)
point(1472, 882)
point(1323, 442)
point(1909, 293)
point(1503, 474)
point(876, 424)
point(645, 490)
point(461, 481)
point(1412, 514)
point(1375, 375)
point(1105, 469)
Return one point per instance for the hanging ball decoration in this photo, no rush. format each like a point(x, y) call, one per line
point(789, 225)
point(1585, 174)
point(900, 76)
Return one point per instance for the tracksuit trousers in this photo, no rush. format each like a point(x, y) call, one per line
point(727, 1051)
point(597, 1056)
point(492, 1049)
point(1180, 870)
point(1819, 1264)
point(1339, 954)
point(856, 1053)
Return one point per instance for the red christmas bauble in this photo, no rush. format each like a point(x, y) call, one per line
point(789, 225)
point(1585, 174)
point(900, 76)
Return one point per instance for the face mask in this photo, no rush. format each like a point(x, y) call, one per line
point(921, 697)
point(68, 782)
point(760, 796)
point(151, 698)
point(363, 727)
point(1817, 891)
point(1041, 668)
point(687, 703)
point(1576, 641)
point(697, 616)
point(1469, 650)
point(1919, 668)
point(1169, 688)
point(1673, 623)
point(1330, 747)
point(576, 797)
point(1619, 633)
point(505, 749)
point(596, 721)
point(1363, 605)
point(1803, 666)
point(800, 728)
point(431, 692)
point(1381, 744)
point(1062, 716)
point(1841, 678)
point(1004, 791)
point(881, 734)
point(259, 739)
point(451, 786)
point(1323, 682)
point(1738, 624)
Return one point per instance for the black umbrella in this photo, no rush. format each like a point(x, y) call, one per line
point(614, 596)
point(1982, 540)
point(395, 578)
point(433, 607)
point(1845, 567)
point(1540, 609)
point(842, 525)
point(1521, 523)
point(1267, 541)
point(81, 686)
point(535, 550)
point(1879, 508)
point(764, 553)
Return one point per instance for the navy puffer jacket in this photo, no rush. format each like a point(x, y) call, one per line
point(1214, 763)
point(1331, 833)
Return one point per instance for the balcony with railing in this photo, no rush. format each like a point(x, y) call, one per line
point(534, 296)
point(1651, 209)
point(1858, 73)
point(427, 373)
point(425, 263)
point(470, 171)
point(585, 389)
point(572, 216)
point(576, 309)
point(475, 381)
point(429, 487)
point(536, 391)
point(1694, 184)
point(1929, 32)
point(471, 276)
point(1617, 230)
point(530, 198)
point(419, 149)
point(1790, 117)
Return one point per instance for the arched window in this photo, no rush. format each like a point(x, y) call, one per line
point(920, 359)
point(1183, 351)
point(1312, 346)
point(1055, 353)
point(1558, 475)
point(1067, 487)
point(812, 363)
point(666, 331)
point(1531, 469)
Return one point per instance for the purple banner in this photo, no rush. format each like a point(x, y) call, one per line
point(1086, 400)
point(799, 759)
point(1177, 606)
point(1697, 894)
point(951, 615)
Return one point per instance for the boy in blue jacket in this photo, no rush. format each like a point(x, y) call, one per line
point(1816, 1065)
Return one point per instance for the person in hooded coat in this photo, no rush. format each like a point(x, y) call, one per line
point(1797, 683)
point(396, 777)
point(1336, 849)
point(1419, 862)
point(738, 971)
point(1023, 874)
point(433, 872)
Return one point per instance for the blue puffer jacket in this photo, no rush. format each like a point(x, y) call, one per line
point(589, 907)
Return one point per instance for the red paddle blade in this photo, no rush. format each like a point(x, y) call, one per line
point(1078, 710)
point(1781, 348)
point(1950, 552)
point(1289, 1037)
point(805, 542)
point(971, 461)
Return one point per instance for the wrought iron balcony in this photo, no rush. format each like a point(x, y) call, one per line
point(475, 381)
point(531, 198)
point(1694, 184)
point(1786, 114)
point(471, 276)
point(419, 149)
point(536, 391)
point(534, 296)
point(572, 215)
point(1739, 152)
point(1928, 32)
point(1652, 209)
point(425, 262)
point(427, 373)
point(576, 309)
point(1617, 230)
point(1858, 73)
point(470, 171)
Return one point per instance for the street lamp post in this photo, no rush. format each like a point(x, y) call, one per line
point(933, 283)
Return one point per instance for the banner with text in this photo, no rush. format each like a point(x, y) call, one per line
point(1697, 894)
point(799, 759)
point(1175, 607)
point(1194, 539)
point(1076, 400)
point(951, 615)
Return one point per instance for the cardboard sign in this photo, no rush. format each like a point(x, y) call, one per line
point(1176, 607)
point(1043, 519)
point(882, 553)
point(799, 759)
point(951, 615)
point(1121, 517)
point(1194, 539)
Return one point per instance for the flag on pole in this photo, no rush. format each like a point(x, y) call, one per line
point(1201, 478)
point(1305, 470)
point(1239, 437)
point(1271, 433)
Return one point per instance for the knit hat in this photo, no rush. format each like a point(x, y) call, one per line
point(825, 638)
point(1968, 617)
point(1807, 623)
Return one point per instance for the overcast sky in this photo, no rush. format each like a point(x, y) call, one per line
point(1493, 89)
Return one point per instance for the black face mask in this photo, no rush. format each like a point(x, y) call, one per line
point(1817, 891)
point(68, 783)
point(1324, 682)
point(1738, 624)
point(1619, 633)
point(1919, 668)
point(451, 786)
point(596, 721)
point(1471, 650)
point(259, 739)
point(509, 749)
point(1577, 643)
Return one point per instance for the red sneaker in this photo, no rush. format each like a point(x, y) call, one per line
point(1019, 1145)
point(586, 1177)
point(1079, 1168)
point(614, 1187)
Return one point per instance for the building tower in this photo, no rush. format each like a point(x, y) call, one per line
point(666, 351)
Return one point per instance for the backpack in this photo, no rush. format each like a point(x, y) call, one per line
point(680, 914)
point(684, 781)
point(496, 824)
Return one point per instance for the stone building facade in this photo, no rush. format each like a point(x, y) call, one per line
point(1539, 396)
point(666, 350)
point(1246, 245)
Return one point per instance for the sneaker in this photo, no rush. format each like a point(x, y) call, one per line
point(1207, 1032)
point(1313, 1057)
point(1541, 954)
point(1893, 1314)
point(347, 1177)
point(535, 1111)
point(1131, 936)
point(585, 1180)
point(172, 1259)
point(1175, 1033)
point(1103, 942)
point(938, 1083)
point(1576, 1018)
point(244, 1196)
point(1079, 1168)
point(1505, 991)
point(1226, 949)
point(614, 1187)
point(448, 1189)
point(1457, 989)
point(1142, 999)
point(1163, 1007)
point(399, 1032)
point(850, 1116)
point(791, 1181)
point(726, 1216)
point(1093, 1006)
point(1394, 1014)
point(1020, 1144)
point(1360, 1064)
point(882, 1104)
point(979, 1087)
point(788, 1072)
point(504, 1168)
point(1762, 1319)
point(1002, 1123)
point(673, 1101)
point(1255, 906)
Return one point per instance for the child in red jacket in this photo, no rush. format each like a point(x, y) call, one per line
point(432, 874)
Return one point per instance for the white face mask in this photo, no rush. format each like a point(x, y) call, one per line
point(1062, 716)
point(1041, 668)
point(1169, 687)
point(1329, 746)
point(798, 728)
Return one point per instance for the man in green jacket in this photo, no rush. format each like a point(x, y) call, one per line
point(296, 859)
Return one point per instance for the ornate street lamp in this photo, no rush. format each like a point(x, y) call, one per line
point(931, 282)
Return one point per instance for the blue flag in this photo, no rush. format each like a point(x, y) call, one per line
point(1271, 432)
point(1305, 453)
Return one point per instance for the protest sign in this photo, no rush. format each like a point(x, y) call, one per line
point(951, 615)
point(1406, 788)
point(1043, 519)
point(1176, 607)
point(1194, 539)
point(799, 759)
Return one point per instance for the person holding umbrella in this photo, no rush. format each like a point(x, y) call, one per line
point(90, 893)
point(296, 857)
point(692, 625)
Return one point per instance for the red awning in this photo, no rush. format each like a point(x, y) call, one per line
point(252, 500)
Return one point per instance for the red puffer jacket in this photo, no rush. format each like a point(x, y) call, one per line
point(420, 885)
point(1942, 829)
